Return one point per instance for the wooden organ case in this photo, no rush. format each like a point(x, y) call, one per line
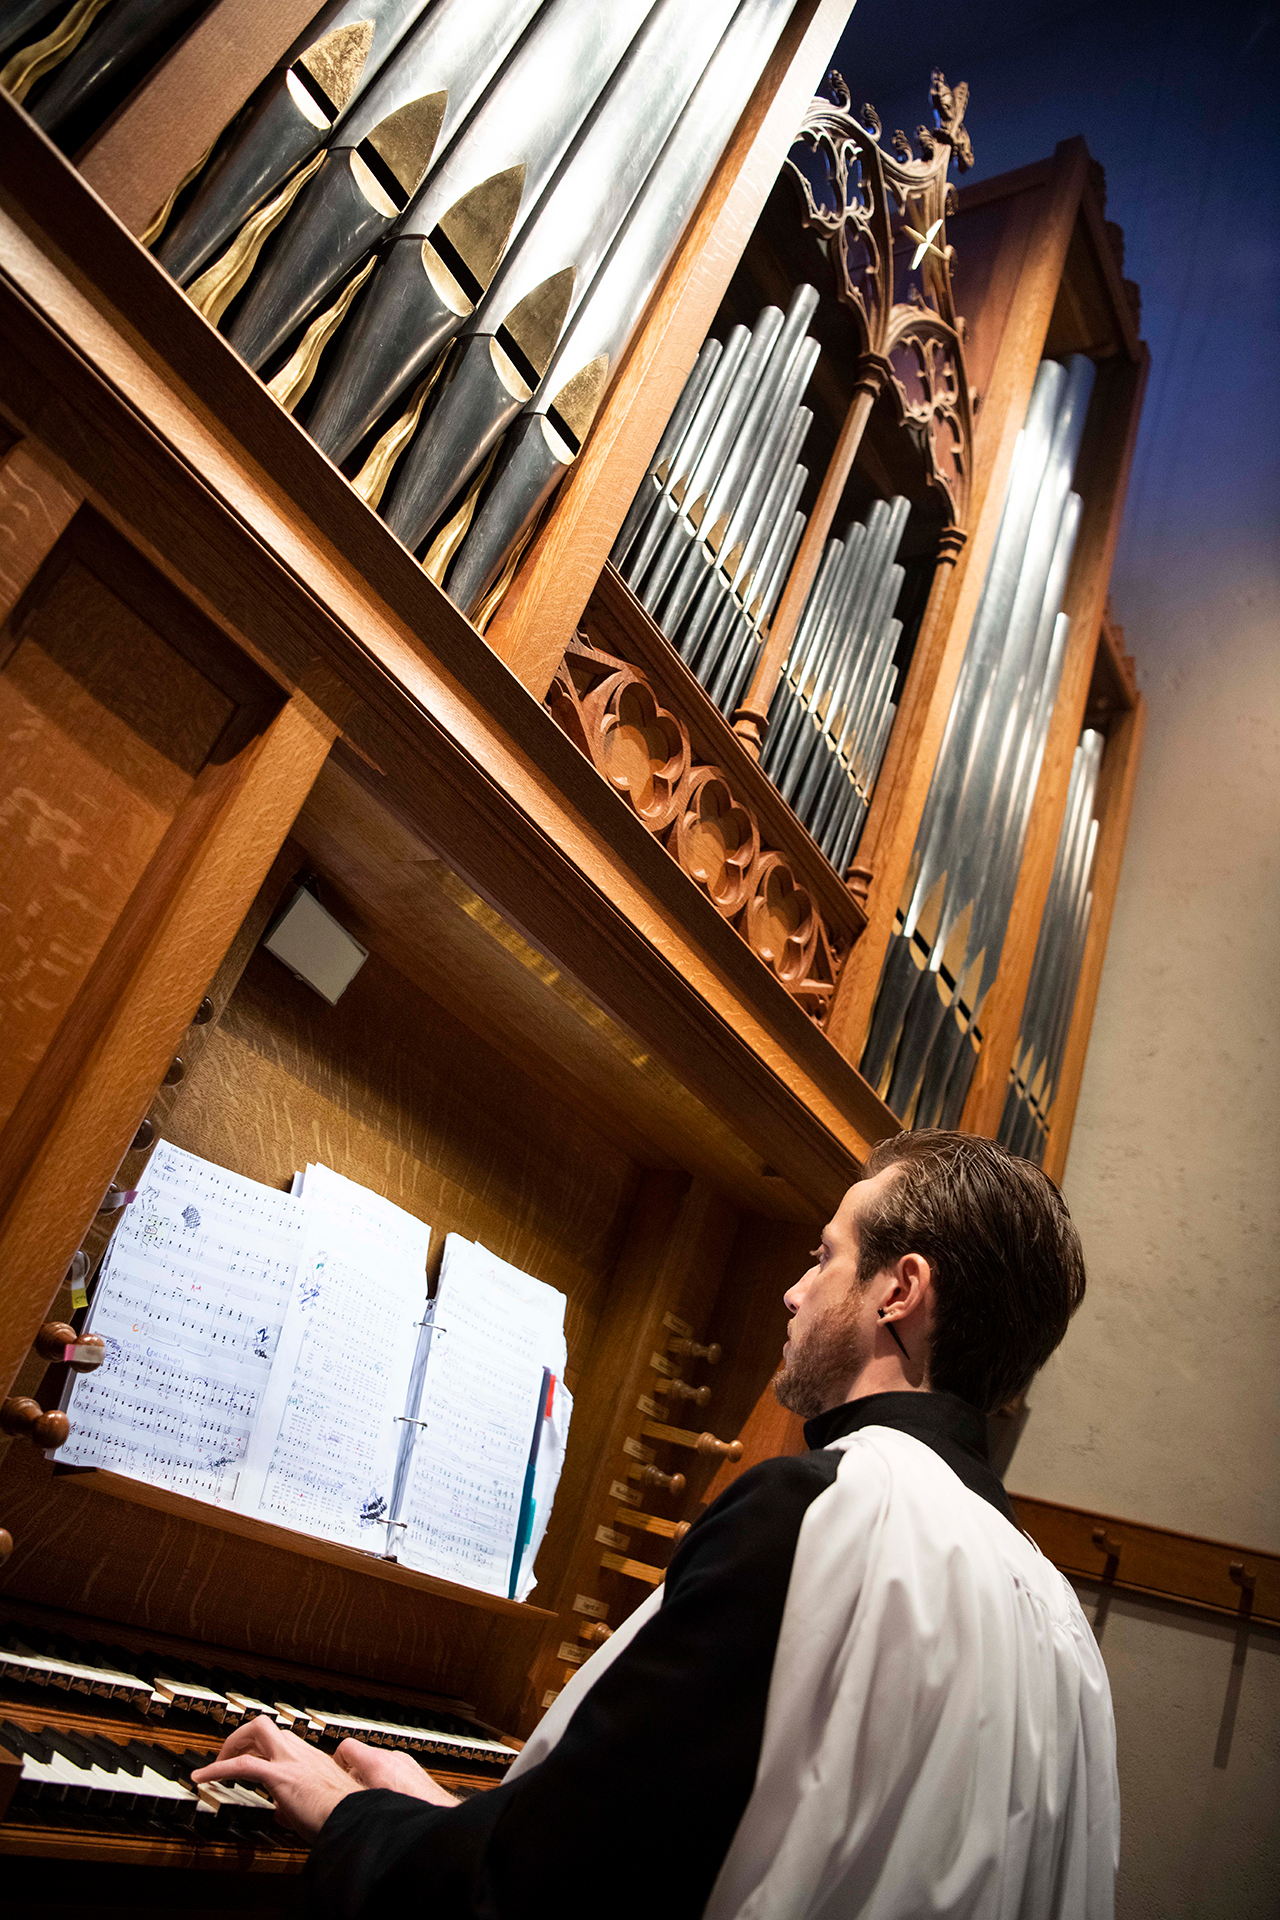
point(610, 1025)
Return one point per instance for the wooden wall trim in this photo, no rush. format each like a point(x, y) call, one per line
point(1138, 1558)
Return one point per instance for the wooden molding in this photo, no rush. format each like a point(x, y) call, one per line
point(1138, 1558)
point(629, 703)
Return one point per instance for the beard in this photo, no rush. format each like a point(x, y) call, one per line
point(818, 1374)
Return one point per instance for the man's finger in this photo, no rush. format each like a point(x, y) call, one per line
point(259, 1735)
point(249, 1767)
point(354, 1755)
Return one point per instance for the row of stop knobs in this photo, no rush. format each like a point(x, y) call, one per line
point(23, 1418)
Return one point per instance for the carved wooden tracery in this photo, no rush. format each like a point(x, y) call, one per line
point(860, 199)
point(612, 713)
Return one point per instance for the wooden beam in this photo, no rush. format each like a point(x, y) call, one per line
point(58, 1154)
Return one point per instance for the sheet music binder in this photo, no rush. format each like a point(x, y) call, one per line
point(271, 1352)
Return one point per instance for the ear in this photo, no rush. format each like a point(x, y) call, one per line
point(910, 1286)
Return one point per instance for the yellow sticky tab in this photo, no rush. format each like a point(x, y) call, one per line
point(79, 1299)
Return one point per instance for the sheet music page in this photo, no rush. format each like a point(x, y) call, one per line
point(190, 1302)
point(323, 1454)
point(495, 1330)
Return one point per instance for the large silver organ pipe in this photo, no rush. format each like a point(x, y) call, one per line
point(506, 346)
point(1055, 969)
point(376, 160)
point(126, 32)
point(556, 420)
point(436, 216)
point(945, 951)
point(291, 116)
point(450, 240)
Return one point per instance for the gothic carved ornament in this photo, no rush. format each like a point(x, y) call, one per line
point(612, 713)
point(883, 218)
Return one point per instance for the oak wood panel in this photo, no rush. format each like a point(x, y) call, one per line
point(553, 583)
point(616, 621)
point(106, 729)
point(1154, 1560)
point(1116, 784)
point(427, 922)
point(390, 1089)
point(900, 803)
point(137, 159)
point(124, 1551)
point(264, 566)
point(37, 500)
point(1102, 476)
point(78, 1115)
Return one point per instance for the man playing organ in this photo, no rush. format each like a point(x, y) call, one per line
point(862, 1690)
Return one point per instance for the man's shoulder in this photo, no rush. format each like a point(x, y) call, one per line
point(791, 1480)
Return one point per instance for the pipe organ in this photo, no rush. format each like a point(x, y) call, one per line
point(559, 486)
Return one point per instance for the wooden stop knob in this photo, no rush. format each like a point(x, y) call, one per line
point(681, 1390)
point(682, 1527)
point(714, 1449)
point(594, 1632)
point(710, 1354)
point(53, 1339)
point(6, 1544)
point(671, 1482)
point(26, 1419)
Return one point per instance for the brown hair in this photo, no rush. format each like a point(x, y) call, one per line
point(1008, 1268)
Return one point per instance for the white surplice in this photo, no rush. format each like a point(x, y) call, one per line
point(938, 1738)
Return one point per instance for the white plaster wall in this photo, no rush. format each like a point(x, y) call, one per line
point(1197, 1705)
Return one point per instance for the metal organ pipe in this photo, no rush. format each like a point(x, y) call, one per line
point(531, 466)
point(944, 955)
point(291, 116)
point(508, 343)
point(377, 158)
point(448, 244)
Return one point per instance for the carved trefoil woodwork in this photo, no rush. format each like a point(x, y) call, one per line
point(612, 713)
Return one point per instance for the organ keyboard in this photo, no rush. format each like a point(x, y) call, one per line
point(98, 1743)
